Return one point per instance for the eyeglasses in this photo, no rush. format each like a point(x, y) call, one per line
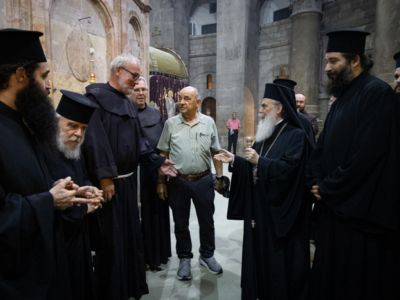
point(137, 91)
point(134, 76)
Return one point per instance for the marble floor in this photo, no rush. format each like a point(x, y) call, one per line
point(204, 285)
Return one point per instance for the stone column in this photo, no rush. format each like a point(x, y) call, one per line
point(387, 38)
point(305, 54)
point(237, 66)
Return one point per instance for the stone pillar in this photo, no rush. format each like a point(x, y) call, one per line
point(305, 54)
point(387, 38)
point(237, 66)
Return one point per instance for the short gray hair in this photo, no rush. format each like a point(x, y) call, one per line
point(141, 78)
point(121, 61)
point(196, 94)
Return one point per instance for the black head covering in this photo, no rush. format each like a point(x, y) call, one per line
point(347, 41)
point(286, 82)
point(396, 57)
point(287, 97)
point(20, 45)
point(76, 107)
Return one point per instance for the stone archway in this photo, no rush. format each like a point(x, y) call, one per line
point(135, 40)
point(210, 103)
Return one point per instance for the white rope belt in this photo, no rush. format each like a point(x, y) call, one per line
point(124, 176)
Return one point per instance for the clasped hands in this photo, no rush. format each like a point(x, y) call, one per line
point(64, 194)
point(227, 157)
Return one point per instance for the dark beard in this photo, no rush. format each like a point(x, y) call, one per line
point(39, 114)
point(342, 80)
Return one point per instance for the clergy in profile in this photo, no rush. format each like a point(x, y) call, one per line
point(353, 173)
point(33, 262)
point(75, 111)
point(269, 194)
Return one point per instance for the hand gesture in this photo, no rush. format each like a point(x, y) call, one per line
point(162, 191)
point(224, 157)
point(168, 169)
point(65, 197)
point(107, 186)
point(252, 156)
point(314, 191)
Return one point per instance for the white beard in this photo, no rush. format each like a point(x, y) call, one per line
point(266, 126)
point(65, 149)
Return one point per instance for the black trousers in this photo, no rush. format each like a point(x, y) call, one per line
point(180, 192)
point(233, 140)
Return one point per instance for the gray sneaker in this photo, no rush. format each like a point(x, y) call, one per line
point(184, 269)
point(211, 264)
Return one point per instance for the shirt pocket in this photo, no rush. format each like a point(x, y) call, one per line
point(205, 142)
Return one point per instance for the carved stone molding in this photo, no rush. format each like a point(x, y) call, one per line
point(145, 8)
point(305, 6)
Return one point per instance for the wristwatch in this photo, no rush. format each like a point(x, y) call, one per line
point(219, 178)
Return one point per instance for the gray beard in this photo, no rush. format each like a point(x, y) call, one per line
point(65, 149)
point(266, 126)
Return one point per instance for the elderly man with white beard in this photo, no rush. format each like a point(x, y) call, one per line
point(75, 111)
point(268, 193)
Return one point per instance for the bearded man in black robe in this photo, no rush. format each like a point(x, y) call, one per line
point(75, 111)
point(353, 173)
point(154, 211)
point(114, 145)
point(268, 192)
point(33, 262)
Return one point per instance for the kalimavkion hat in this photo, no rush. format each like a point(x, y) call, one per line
point(286, 82)
point(396, 57)
point(76, 107)
point(20, 46)
point(347, 41)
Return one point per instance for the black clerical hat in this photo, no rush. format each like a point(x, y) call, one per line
point(20, 46)
point(76, 107)
point(347, 41)
point(286, 82)
point(396, 57)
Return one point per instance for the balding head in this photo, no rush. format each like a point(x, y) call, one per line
point(301, 102)
point(189, 101)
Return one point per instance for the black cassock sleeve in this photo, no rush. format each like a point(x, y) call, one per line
point(25, 221)
point(241, 188)
point(97, 150)
point(313, 168)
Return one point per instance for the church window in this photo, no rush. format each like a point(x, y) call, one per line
point(209, 82)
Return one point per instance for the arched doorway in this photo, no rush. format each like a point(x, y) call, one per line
point(210, 103)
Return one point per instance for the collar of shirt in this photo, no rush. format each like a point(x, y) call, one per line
point(199, 119)
point(279, 122)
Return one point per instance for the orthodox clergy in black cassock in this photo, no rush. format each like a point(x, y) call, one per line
point(355, 165)
point(76, 228)
point(155, 211)
point(33, 262)
point(114, 145)
point(276, 259)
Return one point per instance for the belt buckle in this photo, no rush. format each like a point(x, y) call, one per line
point(189, 176)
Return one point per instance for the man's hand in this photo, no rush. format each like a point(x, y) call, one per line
point(225, 156)
point(219, 184)
point(252, 156)
point(162, 191)
point(70, 186)
point(92, 208)
point(63, 197)
point(315, 192)
point(168, 169)
point(107, 186)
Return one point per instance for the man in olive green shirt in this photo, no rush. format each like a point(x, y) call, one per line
point(190, 139)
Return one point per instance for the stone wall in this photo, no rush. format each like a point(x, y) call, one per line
point(202, 61)
point(67, 40)
point(274, 51)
